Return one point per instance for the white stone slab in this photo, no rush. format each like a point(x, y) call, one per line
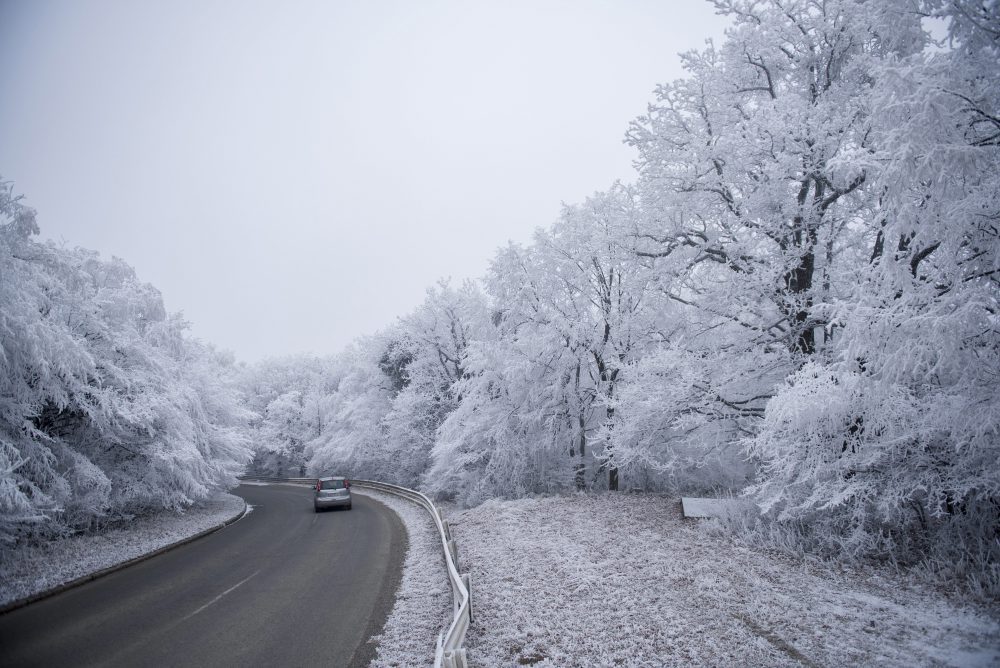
point(695, 507)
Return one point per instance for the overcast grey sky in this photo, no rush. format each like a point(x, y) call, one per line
point(292, 175)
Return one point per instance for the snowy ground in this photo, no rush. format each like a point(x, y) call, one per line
point(423, 602)
point(27, 571)
point(625, 580)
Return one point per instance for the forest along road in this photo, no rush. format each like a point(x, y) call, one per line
point(284, 586)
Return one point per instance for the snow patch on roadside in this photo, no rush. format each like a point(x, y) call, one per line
point(29, 570)
point(624, 580)
point(423, 602)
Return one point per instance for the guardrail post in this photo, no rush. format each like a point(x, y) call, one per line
point(447, 529)
point(453, 548)
point(468, 588)
point(455, 659)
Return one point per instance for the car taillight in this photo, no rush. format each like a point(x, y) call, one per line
point(319, 485)
point(347, 483)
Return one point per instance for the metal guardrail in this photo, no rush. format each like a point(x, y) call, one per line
point(450, 652)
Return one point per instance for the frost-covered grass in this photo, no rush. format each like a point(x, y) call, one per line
point(29, 570)
point(625, 580)
point(423, 601)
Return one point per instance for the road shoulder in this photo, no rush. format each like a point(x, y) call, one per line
point(423, 599)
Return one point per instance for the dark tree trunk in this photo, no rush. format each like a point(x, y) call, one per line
point(579, 472)
point(798, 282)
point(612, 467)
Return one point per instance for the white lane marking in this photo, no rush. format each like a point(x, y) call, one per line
point(216, 599)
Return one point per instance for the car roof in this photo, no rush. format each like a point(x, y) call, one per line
point(328, 477)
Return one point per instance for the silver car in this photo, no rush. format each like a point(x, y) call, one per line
point(332, 493)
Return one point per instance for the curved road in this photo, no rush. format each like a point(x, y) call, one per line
point(283, 586)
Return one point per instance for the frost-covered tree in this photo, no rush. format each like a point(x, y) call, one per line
point(434, 340)
point(890, 447)
point(383, 417)
point(352, 441)
point(571, 311)
point(757, 189)
point(754, 171)
point(287, 397)
point(106, 408)
point(509, 435)
point(752, 163)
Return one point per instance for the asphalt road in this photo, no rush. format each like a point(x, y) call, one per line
point(284, 586)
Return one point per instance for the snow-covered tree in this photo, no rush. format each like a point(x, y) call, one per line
point(106, 408)
point(890, 447)
point(571, 311)
point(286, 396)
point(434, 340)
point(382, 420)
point(753, 169)
point(352, 441)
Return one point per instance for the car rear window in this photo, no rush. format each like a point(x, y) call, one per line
point(332, 484)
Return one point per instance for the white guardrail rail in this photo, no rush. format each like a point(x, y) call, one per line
point(450, 652)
